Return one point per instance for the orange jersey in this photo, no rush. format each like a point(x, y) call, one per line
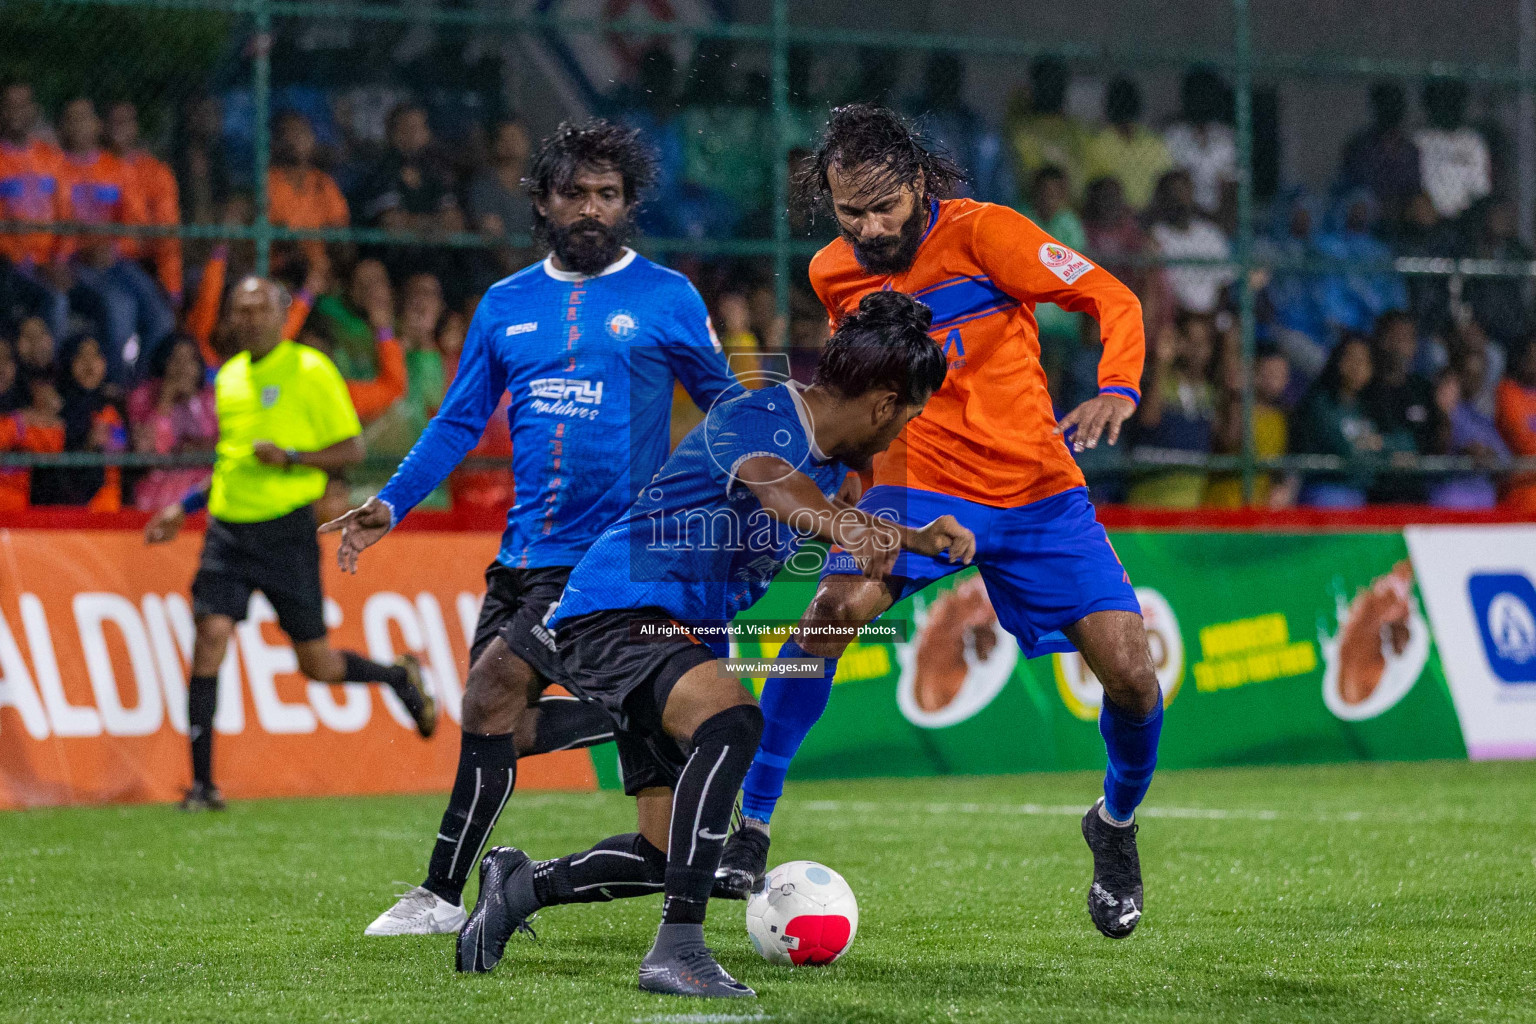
point(102, 190)
point(312, 203)
point(162, 206)
point(31, 189)
point(986, 435)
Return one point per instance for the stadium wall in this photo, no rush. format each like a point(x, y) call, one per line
point(1334, 640)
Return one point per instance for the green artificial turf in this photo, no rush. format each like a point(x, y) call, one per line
point(1350, 893)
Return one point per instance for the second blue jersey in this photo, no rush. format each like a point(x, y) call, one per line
point(590, 364)
point(698, 544)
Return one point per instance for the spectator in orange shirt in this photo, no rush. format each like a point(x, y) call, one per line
point(299, 194)
point(134, 316)
point(1516, 417)
point(30, 190)
point(157, 185)
point(36, 428)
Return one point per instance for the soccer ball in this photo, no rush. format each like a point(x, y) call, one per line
point(804, 914)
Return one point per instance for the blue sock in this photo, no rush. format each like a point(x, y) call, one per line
point(790, 708)
point(1131, 741)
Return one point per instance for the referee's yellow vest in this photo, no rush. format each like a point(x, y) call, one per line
point(293, 397)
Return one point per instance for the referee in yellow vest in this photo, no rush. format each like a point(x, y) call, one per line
point(285, 423)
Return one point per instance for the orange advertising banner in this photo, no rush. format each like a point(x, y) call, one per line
point(95, 638)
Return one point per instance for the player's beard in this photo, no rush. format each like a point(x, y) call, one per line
point(587, 246)
point(893, 254)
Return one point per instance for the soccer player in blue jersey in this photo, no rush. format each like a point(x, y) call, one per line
point(589, 343)
point(706, 537)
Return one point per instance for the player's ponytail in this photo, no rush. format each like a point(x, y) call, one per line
point(884, 344)
point(893, 310)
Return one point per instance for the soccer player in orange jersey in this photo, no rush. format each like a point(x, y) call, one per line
point(987, 450)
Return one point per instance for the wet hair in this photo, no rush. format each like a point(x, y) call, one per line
point(862, 134)
point(884, 345)
point(594, 145)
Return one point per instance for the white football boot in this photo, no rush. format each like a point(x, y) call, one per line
point(419, 912)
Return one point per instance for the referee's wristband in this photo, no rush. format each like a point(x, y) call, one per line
point(194, 500)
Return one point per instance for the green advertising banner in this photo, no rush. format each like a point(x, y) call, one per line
point(1270, 648)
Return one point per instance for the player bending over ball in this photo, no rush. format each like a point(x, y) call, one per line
point(989, 451)
point(706, 537)
point(588, 342)
point(285, 422)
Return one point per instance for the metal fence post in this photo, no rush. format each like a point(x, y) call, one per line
point(261, 90)
point(1243, 86)
point(781, 130)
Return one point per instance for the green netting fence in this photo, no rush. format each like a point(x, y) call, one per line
point(168, 56)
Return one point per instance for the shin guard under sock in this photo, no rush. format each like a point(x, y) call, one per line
point(701, 806)
point(485, 779)
point(1131, 742)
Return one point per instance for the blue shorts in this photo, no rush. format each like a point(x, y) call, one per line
point(1046, 564)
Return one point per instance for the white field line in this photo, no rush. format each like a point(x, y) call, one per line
point(701, 1018)
point(1076, 811)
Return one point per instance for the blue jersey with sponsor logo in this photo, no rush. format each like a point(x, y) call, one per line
point(698, 543)
point(590, 364)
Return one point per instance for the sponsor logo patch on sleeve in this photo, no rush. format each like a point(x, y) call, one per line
point(1063, 262)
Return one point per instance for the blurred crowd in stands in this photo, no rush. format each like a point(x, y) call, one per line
point(108, 342)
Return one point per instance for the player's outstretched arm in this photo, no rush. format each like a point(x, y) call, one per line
point(360, 528)
point(793, 499)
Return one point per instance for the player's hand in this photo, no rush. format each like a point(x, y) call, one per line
point(165, 525)
point(1100, 416)
point(944, 535)
point(362, 527)
point(270, 454)
point(874, 546)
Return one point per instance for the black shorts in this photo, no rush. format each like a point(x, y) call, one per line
point(516, 601)
point(279, 557)
point(631, 678)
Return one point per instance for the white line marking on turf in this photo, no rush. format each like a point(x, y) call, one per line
point(700, 1018)
point(1073, 811)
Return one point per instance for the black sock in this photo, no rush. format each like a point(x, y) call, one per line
point(723, 748)
point(361, 670)
point(614, 869)
point(202, 702)
point(487, 773)
point(566, 723)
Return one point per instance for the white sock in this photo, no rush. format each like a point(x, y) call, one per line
point(1104, 814)
point(761, 826)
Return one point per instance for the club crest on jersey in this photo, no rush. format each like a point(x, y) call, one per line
point(622, 324)
point(269, 396)
point(1063, 262)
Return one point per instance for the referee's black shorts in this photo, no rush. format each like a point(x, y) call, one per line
point(279, 557)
